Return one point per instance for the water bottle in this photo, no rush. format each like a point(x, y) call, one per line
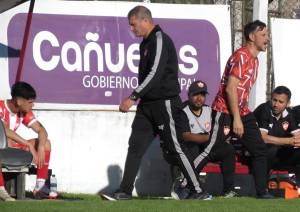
point(53, 187)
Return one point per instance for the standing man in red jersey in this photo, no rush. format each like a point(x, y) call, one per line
point(231, 115)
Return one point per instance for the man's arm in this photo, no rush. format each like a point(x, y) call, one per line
point(269, 139)
point(159, 61)
point(197, 138)
point(41, 131)
point(126, 104)
point(232, 99)
point(12, 135)
point(42, 139)
point(187, 135)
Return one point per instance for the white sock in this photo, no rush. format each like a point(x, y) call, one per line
point(39, 184)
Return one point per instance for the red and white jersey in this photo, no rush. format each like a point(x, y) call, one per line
point(13, 120)
point(243, 66)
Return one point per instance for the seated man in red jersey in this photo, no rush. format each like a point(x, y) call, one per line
point(17, 111)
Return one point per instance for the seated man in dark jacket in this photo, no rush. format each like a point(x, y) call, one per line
point(280, 131)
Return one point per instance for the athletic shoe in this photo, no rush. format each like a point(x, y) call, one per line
point(53, 195)
point(118, 195)
point(230, 194)
point(266, 195)
point(200, 196)
point(180, 193)
point(107, 197)
point(5, 196)
point(180, 190)
point(42, 193)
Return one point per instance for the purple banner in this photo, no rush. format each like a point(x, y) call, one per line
point(94, 59)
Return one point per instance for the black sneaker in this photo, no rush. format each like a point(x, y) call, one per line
point(179, 189)
point(179, 192)
point(266, 195)
point(118, 195)
point(200, 196)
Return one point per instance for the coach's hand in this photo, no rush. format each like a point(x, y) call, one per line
point(238, 127)
point(125, 105)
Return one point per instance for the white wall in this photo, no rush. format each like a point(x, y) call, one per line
point(89, 151)
point(89, 147)
point(286, 45)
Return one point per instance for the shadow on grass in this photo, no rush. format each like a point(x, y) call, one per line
point(60, 197)
point(114, 175)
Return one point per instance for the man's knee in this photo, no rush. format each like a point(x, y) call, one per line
point(259, 150)
point(137, 148)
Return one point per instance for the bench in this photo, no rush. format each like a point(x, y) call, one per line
point(15, 164)
point(15, 181)
point(244, 182)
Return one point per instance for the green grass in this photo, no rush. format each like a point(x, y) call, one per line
point(89, 203)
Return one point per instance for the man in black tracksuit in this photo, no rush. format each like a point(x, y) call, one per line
point(158, 109)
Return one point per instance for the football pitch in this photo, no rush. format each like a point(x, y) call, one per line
point(89, 203)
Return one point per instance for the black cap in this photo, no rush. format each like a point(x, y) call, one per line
point(197, 87)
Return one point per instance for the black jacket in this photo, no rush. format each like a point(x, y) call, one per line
point(158, 68)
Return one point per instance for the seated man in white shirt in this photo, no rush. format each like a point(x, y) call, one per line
point(196, 122)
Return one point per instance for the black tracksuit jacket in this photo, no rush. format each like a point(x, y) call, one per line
point(158, 68)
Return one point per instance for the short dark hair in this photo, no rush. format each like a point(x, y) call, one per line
point(140, 12)
point(283, 90)
point(252, 27)
point(23, 90)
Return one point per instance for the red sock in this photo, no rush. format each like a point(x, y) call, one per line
point(42, 173)
point(1, 179)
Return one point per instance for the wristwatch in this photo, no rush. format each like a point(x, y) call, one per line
point(133, 97)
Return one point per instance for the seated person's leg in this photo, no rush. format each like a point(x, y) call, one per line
point(40, 190)
point(42, 172)
point(289, 157)
point(225, 153)
point(272, 157)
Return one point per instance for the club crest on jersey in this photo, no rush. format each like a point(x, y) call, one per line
point(161, 127)
point(285, 125)
point(207, 126)
point(226, 130)
point(200, 84)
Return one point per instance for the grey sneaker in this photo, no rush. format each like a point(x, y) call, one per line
point(179, 193)
point(266, 195)
point(230, 194)
point(121, 195)
point(179, 189)
point(5, 196)
point(118, 195)
point(42, 193)
point(200, 196)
